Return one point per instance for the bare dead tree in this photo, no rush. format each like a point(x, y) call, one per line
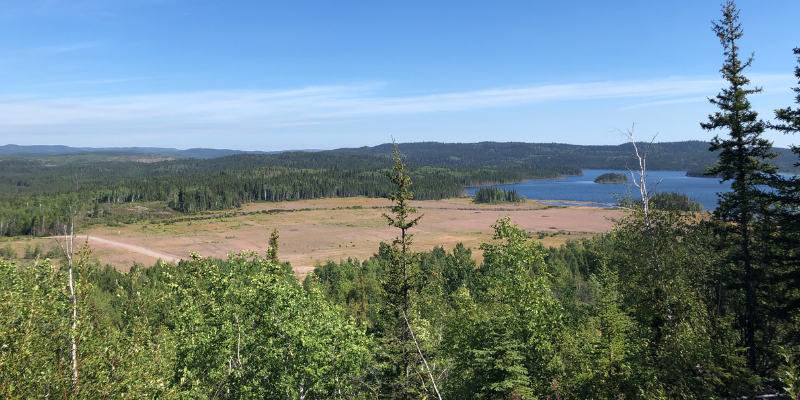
point(67, 244)
point(639, 180)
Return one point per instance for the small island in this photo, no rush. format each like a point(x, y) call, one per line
point(701, 173)
point(611, 177)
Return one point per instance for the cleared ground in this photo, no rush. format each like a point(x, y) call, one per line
point(333, 229)
point(315, 231)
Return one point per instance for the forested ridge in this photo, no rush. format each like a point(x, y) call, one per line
point(39, 176)
point(38, 202)
point(666, 156)
point(667, 305)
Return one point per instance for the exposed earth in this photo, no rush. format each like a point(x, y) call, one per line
point(316, 231)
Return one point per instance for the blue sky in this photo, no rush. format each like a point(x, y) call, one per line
point(277, 75)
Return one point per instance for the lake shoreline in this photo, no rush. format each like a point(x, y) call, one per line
point(583, 191)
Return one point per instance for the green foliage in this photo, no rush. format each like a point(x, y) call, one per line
point(248, 331)
point(609, 365)
point(115, 361)
point(504, 335)
point(789, 117)
point(743, 159)
point(7, 252)
point(674, 201)
point(272, 253)
point(35, 252)
point(790, 375)
point(496, 195)
point(611, 177)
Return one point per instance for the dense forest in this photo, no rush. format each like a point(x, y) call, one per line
point(668, 304)
point(497, 195)
point(297, 176)
point(674, 156)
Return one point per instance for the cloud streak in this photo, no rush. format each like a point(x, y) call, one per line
point(224, 111)
point(65, 48)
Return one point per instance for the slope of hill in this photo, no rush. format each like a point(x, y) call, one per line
point(674, 156)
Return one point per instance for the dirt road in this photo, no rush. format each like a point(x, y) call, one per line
point(137, 249)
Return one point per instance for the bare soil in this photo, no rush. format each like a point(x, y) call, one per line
point(332, 229)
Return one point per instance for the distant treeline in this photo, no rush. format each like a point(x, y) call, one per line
point(700, 173)
point(497, 195)
point(62, 174)
point(668, 156)
point(55, 175)
point(334, 176)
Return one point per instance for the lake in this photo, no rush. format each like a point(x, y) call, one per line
point(583, 189)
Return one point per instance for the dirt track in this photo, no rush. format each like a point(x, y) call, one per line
point(95, 241)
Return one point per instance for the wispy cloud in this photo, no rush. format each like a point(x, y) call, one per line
point(92, 81)
point(65, 48)
point(770, 84)
point(226, 110)
point(667, 102)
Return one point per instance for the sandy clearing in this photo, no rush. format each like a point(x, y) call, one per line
point(334, 229)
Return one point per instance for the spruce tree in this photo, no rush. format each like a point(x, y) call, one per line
point(790, 117)
point(785, 240)
point(401, 277)
point(743, 156)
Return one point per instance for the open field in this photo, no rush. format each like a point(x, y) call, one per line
point(315, 231)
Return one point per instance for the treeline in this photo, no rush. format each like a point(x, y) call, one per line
point(226, 189)
point(45, 176)
point(667, 156)
point(38, 215)
point(497, 195)
point(53, 175)
point(700, 173)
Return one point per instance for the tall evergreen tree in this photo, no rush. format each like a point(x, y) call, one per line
point(400, 284)
point(786, 216)
point(743, 156)
point(790, 117)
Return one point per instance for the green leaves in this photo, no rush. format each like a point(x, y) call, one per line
point(505, 336)
point(248, 330)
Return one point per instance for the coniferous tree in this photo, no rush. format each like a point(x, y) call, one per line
point(401, 282)
point(272, 253)
point(790, 117)
point(743, 156)
point(785, 239)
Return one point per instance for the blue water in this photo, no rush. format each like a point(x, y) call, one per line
point(583, 188)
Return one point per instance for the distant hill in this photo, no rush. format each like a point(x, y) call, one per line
point(56, 150)
point(675, 156)
point(672, 156)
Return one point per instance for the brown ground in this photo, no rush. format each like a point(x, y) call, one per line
point(327, 230)
point(331, 229)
